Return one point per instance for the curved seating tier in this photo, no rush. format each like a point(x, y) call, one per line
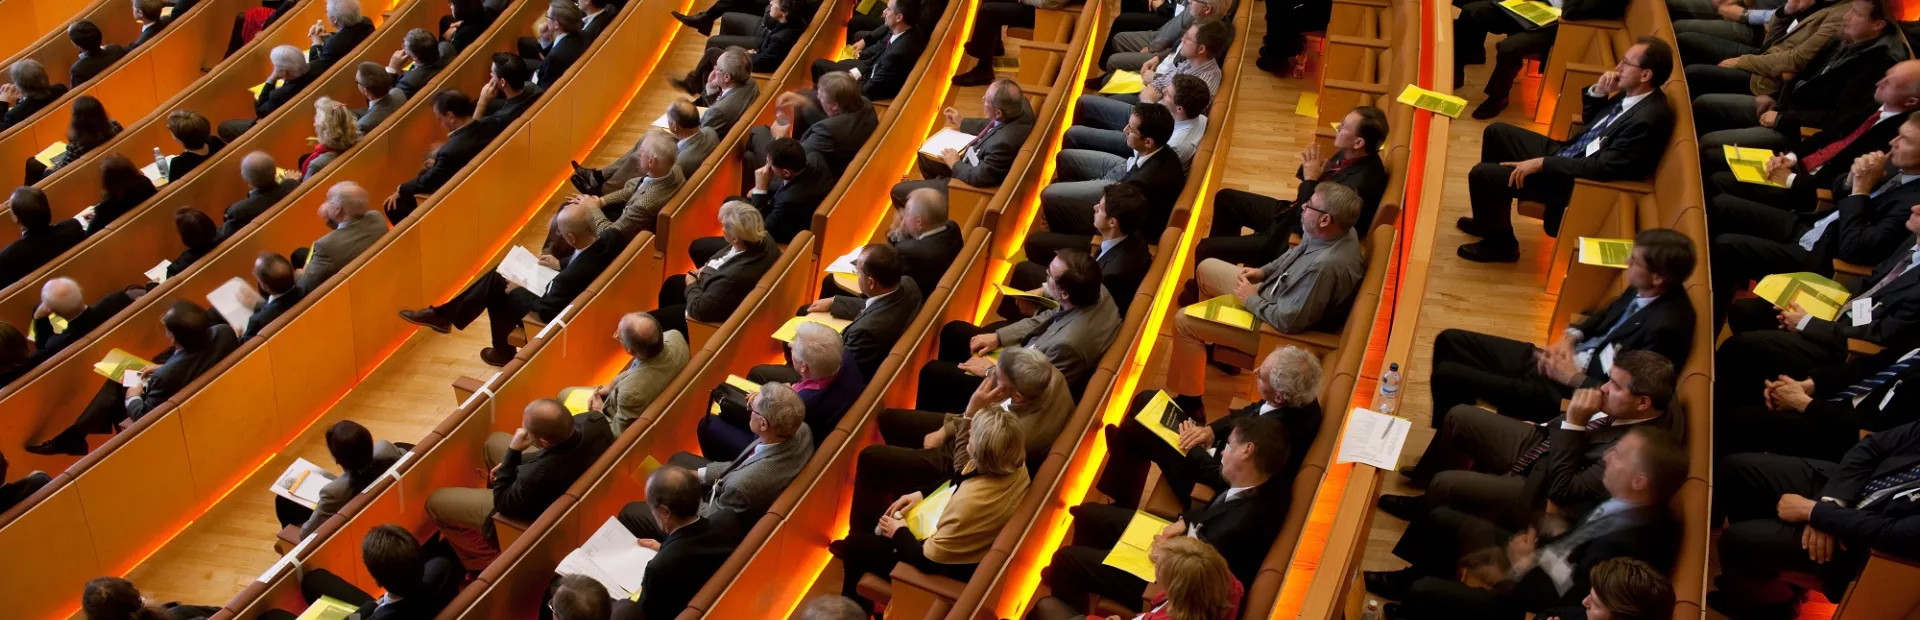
point(32, 24)
point(50, 45)
point(147, 483)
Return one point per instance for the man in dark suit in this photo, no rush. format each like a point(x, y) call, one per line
point(530, 470)
point(771, 38)
point(423, 51)
point(1629, 126)
point(561, 42)
point(833, 121)
point(886, 56)
point(505, 303)
point(1502, 469)
point(596, 15)
point(198, 344)
point(41, 239)
point(1547, 566)
point(1155, 170)
point(62, 298)
point(507, 94)
point(267, 188)
point(350, 28)
point(1527, 382)
point(1813, 517)
point(352, 229)
point(1478, 18)
point(691, 552)
point(1241, 522)
point(985, 160)
point(94, 57)
point(19, 489)
point(147, 12)
point(1867, 224)
point(416, 585)
point(1837, 80)
point(730, 267)
point(729, 91)
point(928, 242)
point(465, 139)
point(274, 275)
point(1823, 160)
point(291, 74)
point(1123, 253)
point(1355, 164)
point(825, 383)
point(803, 180)
point(1822, 416)
point(891, 302)
point(1288, 382)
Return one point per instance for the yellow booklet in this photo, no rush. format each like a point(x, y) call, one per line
point(1534, 11)
point(46, 156)
point(1123, 83)
point(1130, 554)
point(924, 516)
point(1821, 297)
point(1035, 297)
point(792, 326)
point(1225, 310)
point(1606, 252)
point(118, 363)
point(59, 326)
point(1162, 417)
point(328, 608)
point(262, 86)
point(1309, 105)
point(577, 399)
point(1749, 165)
point(865, 7)
point(1439, 103)
point(846, 52)
point(749, 387)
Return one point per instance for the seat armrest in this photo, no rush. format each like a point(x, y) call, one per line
point(943, 587)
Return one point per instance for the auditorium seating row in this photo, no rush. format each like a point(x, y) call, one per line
point(147, 483)
point(37, 27)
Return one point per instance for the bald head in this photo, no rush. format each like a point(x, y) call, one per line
point(346, 201)
point(64, 297)
point(1899, 90)
point(258, 170)
point(928, 209)
point(577, 225)
point(640, 335)
point(274, 273)
point(548, 421)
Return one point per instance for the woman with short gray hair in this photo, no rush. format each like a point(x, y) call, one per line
point(715, 288)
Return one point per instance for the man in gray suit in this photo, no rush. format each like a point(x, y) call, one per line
point(985, 161)
point(747, 485)
point(421, 50)
point(834, 120)
point(382, 98)
point(879, 319)
point(353, 232)
point(729, 90)
point(693, 142)
point(1073, 336)
point(1128, 50)
point(632, 208)
point(657, 358)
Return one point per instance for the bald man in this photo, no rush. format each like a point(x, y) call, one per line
point(265, 189)
point(530, 470)
point(62, 298)
point(506, 304)
point(657, 358)
point(354, 230)
point(274, 275)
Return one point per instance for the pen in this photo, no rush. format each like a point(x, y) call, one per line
point(1386, 429)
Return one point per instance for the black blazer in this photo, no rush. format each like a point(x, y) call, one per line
point(875, 330)
point(1833, 82)
point(469, 31)
point(1891, 525)
point(997, 149)
point(416, 78)
point(560, 57)
point(504, 111)
point(11, 115)
point(714, 295)
point(1302, 424)
point(440, 582)
point(461, 147)
point(1570, 473)
point(179, 165)
point(1896, 309)
point(182, 368)
point(1877, 411)
point(272, 97)
point(523, 487)
point(1650, 535)
point(1665, 326)
point(573, 280)
point(1834, 173)
point(321, 57)
point(241, 213)
point(1366, 176)
point(12, 493)
point(112, 208)
point(595, 25)
point(148, 31)
point(788, 209)
point(927, 259)
point(884, 65)
point(1161, 178)
point(1630, 146)
point(1123, 268)
point(92, 63)
point(1242, 528)
point(47, 344)
point(36, 247)
point(271, 310)
point(776, 41)
point(688, 558)
point(839, 137)
point(1868, 230)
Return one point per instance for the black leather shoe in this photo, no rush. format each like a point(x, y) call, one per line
point(57, 445)
point(1467, 225)
point(1390, 584)
point(701, 25)
point(980, 75)
point(682, 86)
point(1282, 67)
point(1482, 253)
point(427, 318)
point(497, 357)
point(1402, 507)
point(1490, 108)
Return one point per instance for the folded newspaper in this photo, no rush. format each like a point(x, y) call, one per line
point(612, 557)
point(235, 301)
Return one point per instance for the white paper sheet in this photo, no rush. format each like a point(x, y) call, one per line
point(845, 264)
point(946, 139)
point(524, 269)
point(610, 557)
point(158, 273)
point(662, 121)
point(85, 217)
point(153, 174)
point(301, 482)
point(1373, 438)
point(235, 301)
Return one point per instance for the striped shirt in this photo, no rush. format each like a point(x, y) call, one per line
point(1175, 64)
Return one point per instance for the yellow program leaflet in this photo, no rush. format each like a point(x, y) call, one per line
point(1540, 13)
point(924, 516)
point(1224, 310)
point(118, 363)
point(1309, 105)
point(744, 385)
point(792, 326)
point(1123, 83)
point(1749, 165)
point(1439, 103)
point(59, 326)
point(46, 156)
point(1820, 297)
point(1162, 417)
point(1606, 252)
point(328, 608)
point(1031, 296)
point(1130, 554)
point(577, 399)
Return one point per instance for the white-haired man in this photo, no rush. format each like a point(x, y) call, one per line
point(353, 230)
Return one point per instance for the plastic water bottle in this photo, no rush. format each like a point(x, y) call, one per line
point(160, 161)
point(1388, 399)
point(1373, 610)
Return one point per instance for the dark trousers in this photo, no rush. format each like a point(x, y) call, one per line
point(864, 552)
point(1069, 217)
point(822, 66)
point(1799, 198)
point(737, 29)
point(944, 387)
point(1747, 360)
point(1465, 467)
point(1715, 79)
point(1470, 366)
point(1483, 17)
point(1131, 448)
point(984, 42)
point(671, 314)
point(107, 409)
point(1234, 209)
point(403, 206)
point(1288, 21)
point(1079, 570)
point(1488, 190)
point(1027, 275)
point(723, 7)
point(1757, 428)
point(1751, 241)
point(897, 466)
point(505, 309)
point(1699, 48)
point(1434, 544)
point(289, 512)
point(1756, 547)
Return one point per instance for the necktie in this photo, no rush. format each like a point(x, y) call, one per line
point(1579, 146)
point(1889, 481)
point(1820, 157)
point(1594, 343)
point(1534, 453)
point(1895, 274)
point(1891, 182)
point(1878, 379)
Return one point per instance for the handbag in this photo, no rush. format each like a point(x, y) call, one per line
point(730, 403)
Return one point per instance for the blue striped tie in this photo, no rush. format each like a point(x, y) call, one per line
point(1579, 146)
point(1878, 379)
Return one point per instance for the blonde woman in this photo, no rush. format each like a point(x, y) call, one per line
point(1195, 585)
point(711, 292)
point(337, 130)
point(983, 500)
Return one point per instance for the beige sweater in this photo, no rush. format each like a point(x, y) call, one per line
point(974, 516)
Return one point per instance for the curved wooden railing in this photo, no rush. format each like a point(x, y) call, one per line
point(50, 45)
point(31, 24)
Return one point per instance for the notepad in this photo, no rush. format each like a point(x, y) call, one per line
point(46, 155)
point(1821, 297)
point(59, 326)
point(924, 516)
point(1225, 310)
point(663, 123)
point(1606, 252)
point(845, 264)
point(1163, 417)
point(1309, 105)
point(787, 331)
point(301, 482)
point(578, 400)
point(1131, 552)
point(612, 557)
point(1535, 12)
point(1035, 297)
point(1122, 83)
point(328, 608)
point(1373, 438)
point(524, 270)
point(1749, 165)
point(153, 174)
point(158, 273)
point(118, 363)
point(1440, 103)
point(938, 143)
point(235, 301)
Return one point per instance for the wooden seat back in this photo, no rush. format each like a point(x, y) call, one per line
point(50, 45)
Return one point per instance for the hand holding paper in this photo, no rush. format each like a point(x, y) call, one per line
point(524, 270)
